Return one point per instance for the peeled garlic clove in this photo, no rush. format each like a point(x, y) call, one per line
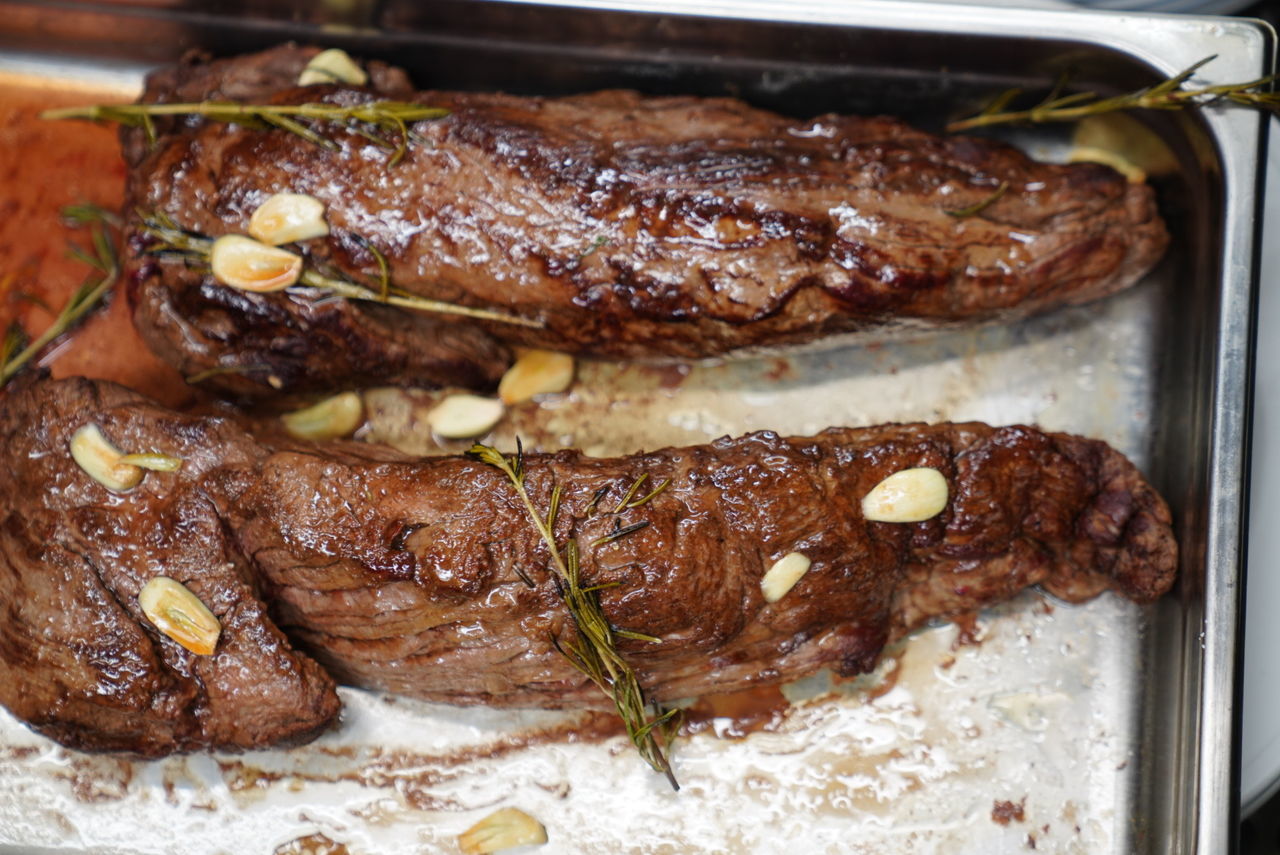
point(783, 575)
point(910, 495)
point(464, 416)
point(180, 615)
point(536, 372)
point(503, 829)
point(328, 419)
point(332, 66)
point(288, 217)
point(102, 460)
point(249, 265)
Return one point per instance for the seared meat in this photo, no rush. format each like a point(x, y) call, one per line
point(630, 226)
point(407, 575)
point(77, 659)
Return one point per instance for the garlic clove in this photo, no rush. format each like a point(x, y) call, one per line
point(536, 372)
point(783, 575)
point(328, 419)
point(287, 218)
point(250, 265)
point(909, 495)
point(332, 66)
point(180, 615)
point(102, 461)
point(464, 416)
point(505, 828)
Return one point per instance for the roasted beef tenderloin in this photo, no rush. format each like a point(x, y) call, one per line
point(629, 226)
point(426, 577)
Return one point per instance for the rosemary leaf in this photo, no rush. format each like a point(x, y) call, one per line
point(1169, 94)
point(384, 269)
point(15, 339)
point(981, 205)
point(619, 533)
point(631, 491)
point(293, 126)
point(1004, 99)
point(88, 214)
point(635, 503)
point(637, 636)
point(593, 651)
point(595, 500)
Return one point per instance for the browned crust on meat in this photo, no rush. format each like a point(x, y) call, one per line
point(405, 575)
point(640, 227)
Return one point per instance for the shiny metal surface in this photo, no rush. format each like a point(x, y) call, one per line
point(1161, 372)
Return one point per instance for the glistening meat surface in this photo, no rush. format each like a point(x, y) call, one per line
point(630, 226)
point(406, 575)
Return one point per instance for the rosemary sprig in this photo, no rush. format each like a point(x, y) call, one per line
point(105, 270)
point(594, 651)
point(171, 239)
point(388, 117)
point(1167, 95)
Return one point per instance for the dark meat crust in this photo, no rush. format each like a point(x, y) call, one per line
point(639, 227)
point(402, 574)
point(77, 659)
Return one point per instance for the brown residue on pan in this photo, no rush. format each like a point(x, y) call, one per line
point(749, 711)
point(44, 169)
point(1002, 812)
point(414, 775)
point(970, 634)
point(890, 680)
point(312, 844)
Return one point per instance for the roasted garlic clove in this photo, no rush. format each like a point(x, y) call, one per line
point(783, 575)
point(910, 495)
point(332, 66)
point(536, 372)
point(180, 615)
point(103, 461)
point(464, 416)
point(288, 217)
point(250, 265)
point(329, 419)
point(503, 829)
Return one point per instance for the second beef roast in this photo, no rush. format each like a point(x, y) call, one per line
point(428, 577)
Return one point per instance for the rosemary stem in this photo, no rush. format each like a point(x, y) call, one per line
point(221, 109)
point(171, 238)
point(594, 652)
point(14, 365)
point(356, 292)
point(1166, 95)
point(80, 303)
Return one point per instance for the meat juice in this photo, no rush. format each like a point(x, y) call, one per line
point(46, 166)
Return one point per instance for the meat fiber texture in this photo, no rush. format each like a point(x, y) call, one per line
point(630, 227)
point(426, 577)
